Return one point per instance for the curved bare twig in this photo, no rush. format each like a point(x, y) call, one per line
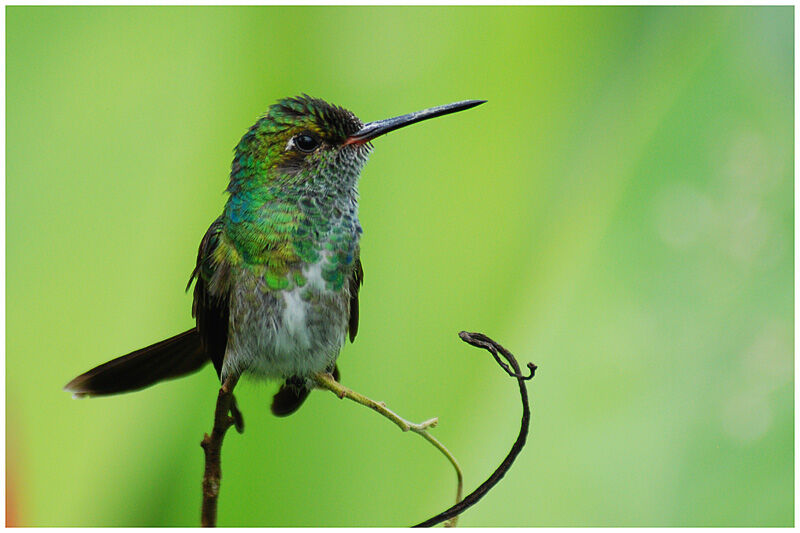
point(482, 341)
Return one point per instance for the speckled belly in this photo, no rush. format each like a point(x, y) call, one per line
point(284, 333)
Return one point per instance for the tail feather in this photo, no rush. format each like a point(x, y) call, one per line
point(168, 359)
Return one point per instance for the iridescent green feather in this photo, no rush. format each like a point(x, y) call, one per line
point(285, 210)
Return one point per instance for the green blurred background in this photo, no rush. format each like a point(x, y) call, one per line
point(620, 213)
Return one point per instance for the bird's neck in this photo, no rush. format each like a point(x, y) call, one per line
point(287, 224)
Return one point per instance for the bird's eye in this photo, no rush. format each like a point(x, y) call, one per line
point(305, 142)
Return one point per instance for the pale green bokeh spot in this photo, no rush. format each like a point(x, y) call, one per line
point(620, 212)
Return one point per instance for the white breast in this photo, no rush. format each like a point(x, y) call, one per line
point(293, 336)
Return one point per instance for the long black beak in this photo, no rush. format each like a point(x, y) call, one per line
point(379, 127)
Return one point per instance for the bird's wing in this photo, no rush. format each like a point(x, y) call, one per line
point(210, 310)
point(356, 279)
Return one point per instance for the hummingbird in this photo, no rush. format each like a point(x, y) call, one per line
point(278, 273)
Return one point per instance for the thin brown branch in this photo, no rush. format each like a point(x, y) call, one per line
point(482, 341)
point(226, 414)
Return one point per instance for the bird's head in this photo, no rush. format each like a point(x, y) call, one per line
point(304, 139)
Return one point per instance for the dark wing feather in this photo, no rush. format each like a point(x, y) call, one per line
point(178, 355)
point(356, 280)
point(210, 311)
